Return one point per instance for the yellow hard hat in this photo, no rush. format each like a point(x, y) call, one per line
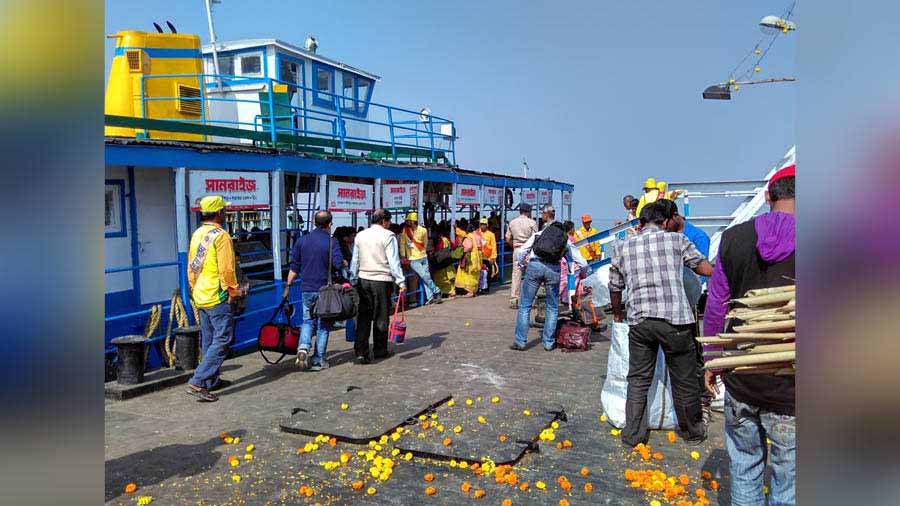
point(213, 203)
point(661, 186)
point(483, 221)
point(412, 217)
point(650, 183)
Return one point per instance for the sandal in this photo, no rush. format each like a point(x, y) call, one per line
point(201, 394)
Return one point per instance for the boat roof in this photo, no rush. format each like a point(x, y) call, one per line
point(235, 45)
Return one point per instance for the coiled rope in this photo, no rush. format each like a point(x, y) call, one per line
point(177, 314)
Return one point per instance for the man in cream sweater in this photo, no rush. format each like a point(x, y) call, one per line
point(375, 268)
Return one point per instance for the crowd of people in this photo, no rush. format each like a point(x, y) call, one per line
point(655, 283)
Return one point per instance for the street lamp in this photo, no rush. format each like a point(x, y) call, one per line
point(722, 91)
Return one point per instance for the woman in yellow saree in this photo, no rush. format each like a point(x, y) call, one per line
point(445, 278)
point(469, 271)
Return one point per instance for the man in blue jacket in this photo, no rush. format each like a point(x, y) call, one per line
point(311, 257)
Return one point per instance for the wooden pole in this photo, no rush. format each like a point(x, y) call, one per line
point(761, 358)
point(770, 291)
point(767, 326)
point(763, 300)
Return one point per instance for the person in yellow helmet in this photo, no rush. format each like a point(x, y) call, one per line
point(413, 248)
point(661, 186)
point(651, 194)
point(590, 251)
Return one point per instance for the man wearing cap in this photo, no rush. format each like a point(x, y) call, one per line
point(413, 248)
point(214, 286)
point(519, 230)
point(489, 245)
point(590, 251)
point(757, 254)
point(651, 194)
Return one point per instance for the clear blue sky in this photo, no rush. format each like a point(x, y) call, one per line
point(599, 94)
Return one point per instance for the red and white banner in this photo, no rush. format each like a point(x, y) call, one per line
point(567, 198)
point(493, 196)
point(468, 194)
point(545, 196)
point(399, 196)
point(245, 190)
point(350, 197)
point(529, 196)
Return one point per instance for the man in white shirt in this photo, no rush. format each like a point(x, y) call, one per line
point(376, 266)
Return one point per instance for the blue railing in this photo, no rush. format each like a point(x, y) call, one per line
point(382, 131)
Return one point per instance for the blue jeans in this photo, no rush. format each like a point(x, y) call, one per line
point(536, 274)
point(216, 338)
point(746, 430)
point(420, 267)
point(309, 325)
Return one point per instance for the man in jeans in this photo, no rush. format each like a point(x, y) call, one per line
point(214, 286)
point(542, 271)
point(311, 257)
point(757, 254)
point(650, 265)
point(413, 248)
point(519, 230)
point(376, 269)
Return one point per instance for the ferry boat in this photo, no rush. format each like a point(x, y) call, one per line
point(281, 131)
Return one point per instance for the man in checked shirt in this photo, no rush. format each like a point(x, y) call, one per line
point(658, 314)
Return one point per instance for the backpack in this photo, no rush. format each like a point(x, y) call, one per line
point(335, 302)
point(551, 245)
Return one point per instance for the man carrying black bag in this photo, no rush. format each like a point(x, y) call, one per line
point(313, 256)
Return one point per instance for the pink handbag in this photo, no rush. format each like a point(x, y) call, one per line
point(397, 332)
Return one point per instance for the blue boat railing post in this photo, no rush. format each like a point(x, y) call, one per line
point(431, 137)
point(391, 129)
point(340, 120)
point(453, 149)
point(272, 112)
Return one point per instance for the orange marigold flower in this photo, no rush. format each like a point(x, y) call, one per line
point(429, 477)
point(671, 436)
point(512, 479)
point(506, 502)
point(356, 485)
point(447, 441)
point(430, 491)
point(588, 487)
point(706, 475)
point(332, 441)
point(524, 486)
point(566, 486)
point(714, 485)
point(700, 492)
point(559, 446)
point(683, 479)
point(479, 493)
point(567, 444)
point(503, 438)
point(465, 487)
point(658, 456)
point(584, 471)
point(130, 488)
point(563, 502)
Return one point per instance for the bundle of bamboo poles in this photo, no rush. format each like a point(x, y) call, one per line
point(763, 340)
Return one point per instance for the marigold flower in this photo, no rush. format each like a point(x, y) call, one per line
point(468, 402)
point(540, 485)
point(700, 492)
point(585, 471)
point(357, 485)
point(249, 448)
point(344, 406)
point(526, 412)
point(615, 432)
point(655, 503)
point(566, 443)
point(248, 457)
point(228, 440)
point(658, 456)
point(408, 456)
point(524, 486)
point(481, 419)
point(130, 488)
point(588, 487)
point(563, 502)
point(506, 502)
point(429, 477)
point(714, 485)
point(371, 491)
point(457, 429)
point(332, 442)
point(430, 490)
point(495, 399)
point(465, 487)
point(479, 493)
point(144, 500)
point(706, 475)
point(602, 418)
point(512, 479)
point(236, 440)
point(236, 478)
point(695, 455)
point(447, 441)
point(671, 436)
point(234, 461)
point(451, 403)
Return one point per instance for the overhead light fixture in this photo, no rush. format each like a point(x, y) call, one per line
point(722, 91)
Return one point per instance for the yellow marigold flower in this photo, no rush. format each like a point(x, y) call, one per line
point(526, 412)
point(602, 418)
point(555, 424)
point(451, 403)
point(236, 478)
point(468, 402)
point(540, 485)
point(395, 452)
point(145, 500)
point(236, 440)
point(248, 457)
point(481, 419)
point(615, 432)
point(371, 491)
point(695, 455)
point(344, 406)
point(457, 429)
point(250, 448)
point(228, 440)
point(495, 399)
point(408, 456)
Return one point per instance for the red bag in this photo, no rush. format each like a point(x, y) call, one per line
point(572, 336)
point(278, 337)
point(397, 332)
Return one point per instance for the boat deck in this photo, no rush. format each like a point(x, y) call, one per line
point(169, 444)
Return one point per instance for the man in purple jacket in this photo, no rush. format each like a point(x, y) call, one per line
point(757, 254)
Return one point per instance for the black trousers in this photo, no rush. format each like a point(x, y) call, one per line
point(374, 317)
point(677, 341)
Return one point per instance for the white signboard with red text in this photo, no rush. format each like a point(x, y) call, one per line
point(396, 196)
point(529, 196)
point(468, 194)
point(544, 196)
point(350, 197)
point(493, 196)
point(567, 198)
point(245, 190)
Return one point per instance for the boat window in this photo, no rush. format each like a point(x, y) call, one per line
point(226, 66)
point(348, 93)
point(290, 72)
point(324, 82)
point(363, 93)
point(251, 65)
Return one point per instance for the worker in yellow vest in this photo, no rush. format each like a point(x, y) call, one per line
point(651, 194)
point(214, 287)
point(413, 249)
point(590, 251)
